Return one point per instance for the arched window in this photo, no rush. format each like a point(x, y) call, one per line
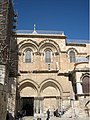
point(48, 55)
point(86, 84)
point(28, 56)
point(72, 56)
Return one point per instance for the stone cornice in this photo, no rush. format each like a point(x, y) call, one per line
point(40, 71)
point(41, 36)
point(84, 94)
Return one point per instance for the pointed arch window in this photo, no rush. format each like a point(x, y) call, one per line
point(28, 56)
point(48, 56)
point(72, 56)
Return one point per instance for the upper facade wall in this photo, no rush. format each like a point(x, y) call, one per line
point(60, 58)
point(61, 42)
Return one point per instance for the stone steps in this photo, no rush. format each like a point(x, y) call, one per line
point(74, 111)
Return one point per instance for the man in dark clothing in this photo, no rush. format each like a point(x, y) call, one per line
point(48, 114)
point(54, 112)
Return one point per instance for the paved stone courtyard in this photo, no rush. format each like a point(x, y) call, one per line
point(57, 118)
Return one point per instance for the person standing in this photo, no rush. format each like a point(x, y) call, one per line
point(48, 114)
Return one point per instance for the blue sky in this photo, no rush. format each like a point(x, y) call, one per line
point(70, 16)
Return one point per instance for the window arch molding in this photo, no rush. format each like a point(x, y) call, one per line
point(84, 75)
point(73, 49)
point(50, 44)
point(26, 43)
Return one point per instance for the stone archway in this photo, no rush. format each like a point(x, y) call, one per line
point(28, 92)
point(51, 92)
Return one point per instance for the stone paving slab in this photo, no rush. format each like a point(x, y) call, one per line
point(57, 118)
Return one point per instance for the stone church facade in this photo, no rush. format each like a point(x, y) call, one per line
point(52, 72)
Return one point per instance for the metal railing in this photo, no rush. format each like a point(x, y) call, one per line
point(81, 59)
point(73, 41)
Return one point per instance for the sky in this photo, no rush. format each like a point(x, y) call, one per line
point(70, 16)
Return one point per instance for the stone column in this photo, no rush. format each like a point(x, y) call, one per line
point(57, 99)
point(60, 103)
point(42, 105)
point(35, 105)
point(38, 105)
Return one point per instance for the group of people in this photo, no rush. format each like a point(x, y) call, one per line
point(57, 113)
point(20, 114)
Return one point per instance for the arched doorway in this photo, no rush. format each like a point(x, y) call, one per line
point(50, 98)
point(51, 92)
point(28, 92)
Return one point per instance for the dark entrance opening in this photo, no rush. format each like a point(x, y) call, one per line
point(28, 106)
